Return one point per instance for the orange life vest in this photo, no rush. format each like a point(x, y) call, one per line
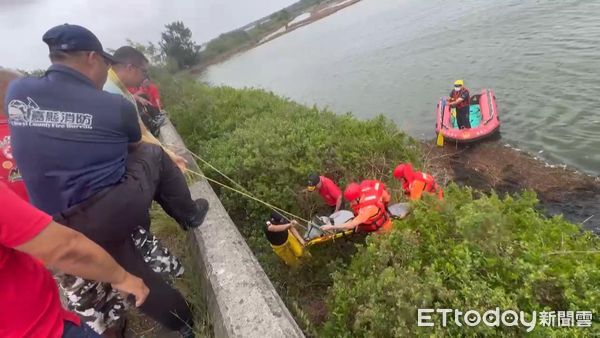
point(428, 179)
point(457, 94)
point(372, 194)
point(422, 182)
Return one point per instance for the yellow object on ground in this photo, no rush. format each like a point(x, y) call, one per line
point(440, 139)
point(329, 237)
point(290, 251)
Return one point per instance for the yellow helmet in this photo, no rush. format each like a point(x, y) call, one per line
point(459, 83)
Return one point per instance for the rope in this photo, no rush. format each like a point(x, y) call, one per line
point(572, 252)
point(289, 214)
point(245, 191)
point(218, 171)
point(211, 166)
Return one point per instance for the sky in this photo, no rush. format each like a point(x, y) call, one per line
point(23, 22)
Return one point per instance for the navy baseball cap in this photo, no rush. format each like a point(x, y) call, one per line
point(313, 180)
point(71, 38)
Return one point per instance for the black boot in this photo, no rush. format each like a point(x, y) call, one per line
point(198, 218)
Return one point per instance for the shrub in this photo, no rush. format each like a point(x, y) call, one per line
point(466, 253)
point(269, 145)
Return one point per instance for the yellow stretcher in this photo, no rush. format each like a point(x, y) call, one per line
point(329, 237)
point(398, 210)
point(291, 252)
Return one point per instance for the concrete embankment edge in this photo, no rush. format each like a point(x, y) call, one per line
point(240, 298)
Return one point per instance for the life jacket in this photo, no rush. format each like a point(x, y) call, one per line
point(457, 94)
point(372, 185)
point(428, 179)
point(422, 182)
point(372, 195)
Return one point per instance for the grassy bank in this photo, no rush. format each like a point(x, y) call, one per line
point(469, 252)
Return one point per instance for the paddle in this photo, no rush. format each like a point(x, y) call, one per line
point(440, 137)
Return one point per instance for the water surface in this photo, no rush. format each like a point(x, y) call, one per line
point(397, 57)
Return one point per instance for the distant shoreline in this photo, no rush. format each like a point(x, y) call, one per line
point(316, 13)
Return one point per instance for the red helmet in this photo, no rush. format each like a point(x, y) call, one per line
point(352, 192)
point(403, 170)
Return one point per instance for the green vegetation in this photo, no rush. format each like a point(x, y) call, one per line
point(470, 251)
point(178, 51)
point(467, 253)
point(240, 39)
point(246, 37)
point(175, 51)
point(269, 145)
point(176, 45)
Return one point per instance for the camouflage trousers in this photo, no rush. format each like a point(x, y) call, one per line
point(97, 303)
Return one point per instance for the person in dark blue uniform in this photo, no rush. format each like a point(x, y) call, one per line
point(80, 155)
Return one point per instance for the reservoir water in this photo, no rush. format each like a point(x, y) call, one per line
point(398, 57)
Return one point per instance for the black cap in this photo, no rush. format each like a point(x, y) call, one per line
point(313, 179)
point(71, 38)
point(277, 218)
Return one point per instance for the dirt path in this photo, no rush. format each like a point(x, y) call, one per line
point(490, 165)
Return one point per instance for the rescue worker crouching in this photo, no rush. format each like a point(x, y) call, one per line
point(285, 240)
point(415, 183)
point(369, 204)
point(329, 191)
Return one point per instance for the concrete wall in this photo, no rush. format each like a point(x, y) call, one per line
point(241, 300)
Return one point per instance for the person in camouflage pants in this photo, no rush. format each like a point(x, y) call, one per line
point(101, 307)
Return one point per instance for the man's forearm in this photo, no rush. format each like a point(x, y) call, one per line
point(338, 204)
point(348, 225)
point(296, 234)
point(88, 260)
point(279, 227)
point(71, 252)
point(356, 221)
